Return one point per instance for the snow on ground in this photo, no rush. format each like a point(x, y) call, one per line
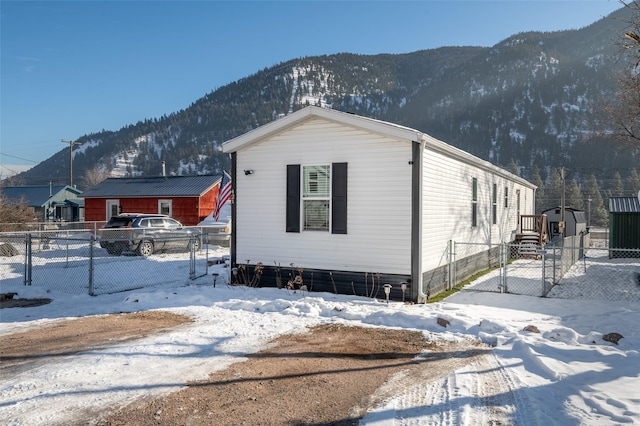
point(564, 375)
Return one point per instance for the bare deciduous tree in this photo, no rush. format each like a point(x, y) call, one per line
point(14, 213)
point(621, 119)
point(93, 177)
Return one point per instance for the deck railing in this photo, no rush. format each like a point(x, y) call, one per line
point(534, 223)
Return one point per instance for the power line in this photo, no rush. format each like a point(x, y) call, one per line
point(19, 158)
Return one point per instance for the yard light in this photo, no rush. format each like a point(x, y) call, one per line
point(387, 290)
point(215, 278)
point(403, 286)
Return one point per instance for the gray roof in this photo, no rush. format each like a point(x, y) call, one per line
point(36, 195)
point(395, 131)
point(624, 205)
point(579, 215)
point(157, 186)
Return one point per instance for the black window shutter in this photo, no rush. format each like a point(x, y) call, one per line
point(293, 198)
point(339, 198)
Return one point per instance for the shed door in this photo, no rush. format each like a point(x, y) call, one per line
point(113, 208)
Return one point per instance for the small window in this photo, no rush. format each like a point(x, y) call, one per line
point(316, 196)
point(506, 197)
point(474, 202)
point(518, 204)
point(494, 204)
point(164, 207)
point(113, 208)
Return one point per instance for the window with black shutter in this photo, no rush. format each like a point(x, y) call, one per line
point(293, 198)
point(339, 198)
point(317, 198)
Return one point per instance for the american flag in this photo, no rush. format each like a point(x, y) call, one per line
point(224, 195)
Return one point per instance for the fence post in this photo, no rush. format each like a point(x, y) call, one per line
point(28, 265)
point(192, 258)
point(504, 258)
point(452, 267)
point(449, 265)
point(91, 289)
point(544, 267)
point(455, 263)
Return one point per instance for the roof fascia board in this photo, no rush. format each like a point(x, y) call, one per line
point(384, 128)
point(71, 188)
point(304, 114)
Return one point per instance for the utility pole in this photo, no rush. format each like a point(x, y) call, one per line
point(71, 144)
point(562, 212)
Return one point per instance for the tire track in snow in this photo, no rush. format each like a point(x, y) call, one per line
point(473, 390)
point(521, 410)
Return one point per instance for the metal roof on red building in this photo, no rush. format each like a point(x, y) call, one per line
point(155, 186)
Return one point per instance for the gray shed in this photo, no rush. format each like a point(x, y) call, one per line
point(575, 221)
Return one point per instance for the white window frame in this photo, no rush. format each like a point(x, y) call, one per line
point(518, 204)
point(494, 204)
point(170, 203)
point(506, 197)
point(474, 202)
point(110, 204)
point(313, 194)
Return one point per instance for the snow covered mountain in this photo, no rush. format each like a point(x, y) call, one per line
point(529, 100)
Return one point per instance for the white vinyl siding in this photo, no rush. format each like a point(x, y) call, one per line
point(447, 215)
point(379, 200)
point(379, 167)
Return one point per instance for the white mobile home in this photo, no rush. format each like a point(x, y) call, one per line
point(353, 203)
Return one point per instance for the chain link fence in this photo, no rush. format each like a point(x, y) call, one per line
point(73, 262)
point(573, 268)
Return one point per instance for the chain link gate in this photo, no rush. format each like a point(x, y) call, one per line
point(512, 270)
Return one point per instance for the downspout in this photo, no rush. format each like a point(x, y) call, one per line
point(234, 201)
point(418, 148)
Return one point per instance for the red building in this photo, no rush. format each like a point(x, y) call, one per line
point(189, 199)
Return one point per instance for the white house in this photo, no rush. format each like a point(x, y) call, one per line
point(353, 203)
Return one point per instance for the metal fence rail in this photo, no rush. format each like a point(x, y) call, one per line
point(599, 275)
point(74, 262)
point(564, 270)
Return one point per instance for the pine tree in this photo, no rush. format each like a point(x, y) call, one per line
point(540, 192)
point(633, 183)
point(574, 197)
point(554, 190)
point(598, 212)
point(513, 168)
point(617, 189)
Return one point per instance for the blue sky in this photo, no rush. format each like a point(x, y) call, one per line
point(69, 68)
